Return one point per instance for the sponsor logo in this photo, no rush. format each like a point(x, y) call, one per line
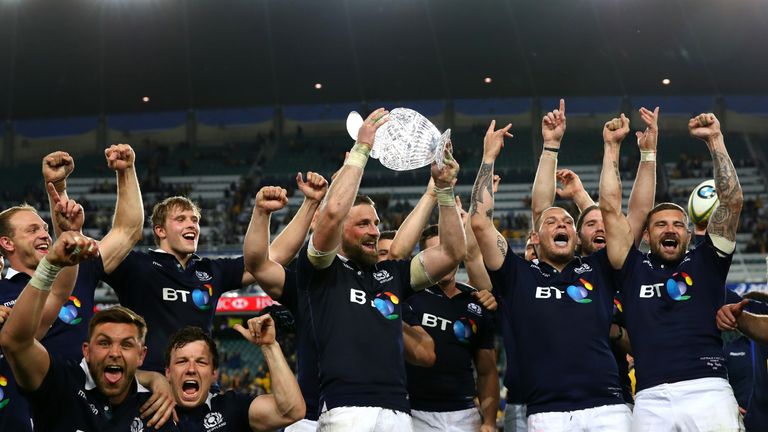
point(3, 399)
point(464, 328)
point(385, 302)
point(69, 313)
point(201, 297)
point(579, 292)
point(678, 285)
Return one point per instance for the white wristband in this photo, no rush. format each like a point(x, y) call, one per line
point(647, 156)
point(45, 274)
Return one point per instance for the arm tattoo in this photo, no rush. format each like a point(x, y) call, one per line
point(501, 243)
point(725, 218)
point(483, 182)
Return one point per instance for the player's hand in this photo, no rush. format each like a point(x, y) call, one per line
point(271, 199)
point(314, 188)
point(68, 215)
point(487, 428)
point(704, 126)
point(553, 126)
point(615, 130)
point(5, 311)
point(486, 299)
point(570, 182)
point(120, 157)
point(647, 139)
point(494, 141)
point(72, 248)
point(57, 166)
point(445, 177)
point(159, 408)
point(496, 182)
point(728, 315)
point(260, 331)
point(367, 132)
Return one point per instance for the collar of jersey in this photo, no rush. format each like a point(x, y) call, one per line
point(13, 272)
point(657, 262)
point(545, 266)
point(90, 384)
point(162, 252)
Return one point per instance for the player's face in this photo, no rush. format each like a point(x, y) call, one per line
point(181, 231)
point(556, 236)
point(450, 277)
point(530, 250)
point(383, 248)
point(113, 354)
point(31, 240)
point(360, 235)
point(668, 235)
point(191, 373)
point(592, 234)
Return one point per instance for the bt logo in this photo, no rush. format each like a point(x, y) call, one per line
point(579, 293)
point(70, 311)
point(3, 400)
point(201, 297)
point(384, 302)
point(677, 286)
point(463, 328)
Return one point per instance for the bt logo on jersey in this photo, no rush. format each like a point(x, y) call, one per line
point(548, 292)
point(676, 286)
point(463, 328)
point(385, 302)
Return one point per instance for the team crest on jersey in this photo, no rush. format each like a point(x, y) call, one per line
point(203, 276)
point(382, 276)
point(137, 425)
point(475, 309)
point(583, 269)
point(213, 420)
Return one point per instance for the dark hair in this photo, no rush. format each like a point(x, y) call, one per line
point(428, 233)
point(387, 235)
point(188, 335)
point(363, 199)
point(665, 206)
point(118, 315)
point(160, 211)
point(584, 214)
point(756, 295)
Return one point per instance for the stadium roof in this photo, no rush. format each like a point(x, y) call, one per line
point(77, 57)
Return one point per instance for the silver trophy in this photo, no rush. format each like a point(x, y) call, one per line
point(407, 141)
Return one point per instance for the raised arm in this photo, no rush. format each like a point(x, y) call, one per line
point(543, 192)
point(473, 261)
point(410, 230)
point(492, 244)
point(643, 193)
point(285, 405)
point(618, 235)
point(129, 209)
point(269, 274)
point(285, 246)
point(57, 167)
point(725, 219)
point(441, 259)
point(27, 357)
point(572, 189)
point(341, 195)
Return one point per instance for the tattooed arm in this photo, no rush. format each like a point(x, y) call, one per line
point(543, 193)
point(725, 219)
point(618, 236)
point(492, 244)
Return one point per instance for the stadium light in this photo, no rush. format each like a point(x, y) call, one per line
point(318, 86)
point(145, 99)
point(487, 80)
point(666, 81)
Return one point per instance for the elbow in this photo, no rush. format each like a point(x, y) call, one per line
point(137, 234)
point(296, 411)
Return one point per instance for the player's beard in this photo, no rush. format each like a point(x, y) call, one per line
point(357, 254)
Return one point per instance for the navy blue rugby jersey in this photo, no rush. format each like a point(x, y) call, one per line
point(756, 418)
point(512, 372)
point(169, 297)
point(355, 315)
point(15, 413)
point(670, 313)
point(561, 323)
point(621, 357)
point(221, 412)
point(68, 400)
point(460, 327)
point(306, 348)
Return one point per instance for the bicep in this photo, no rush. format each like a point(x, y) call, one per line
point(619, 239)
point(264, 414)
point(113, 249)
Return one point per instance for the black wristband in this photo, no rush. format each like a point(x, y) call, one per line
point(552, 149)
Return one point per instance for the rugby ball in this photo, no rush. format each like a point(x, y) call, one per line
point(702, 202)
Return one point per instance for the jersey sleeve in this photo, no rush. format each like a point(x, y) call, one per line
point(487, 335)
point(57, 381)
point(232, 270)
point(120, 278)
point(503, 279)
point(410, 316)
point(713, 257)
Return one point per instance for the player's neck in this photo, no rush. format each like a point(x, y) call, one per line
point(19, 266)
